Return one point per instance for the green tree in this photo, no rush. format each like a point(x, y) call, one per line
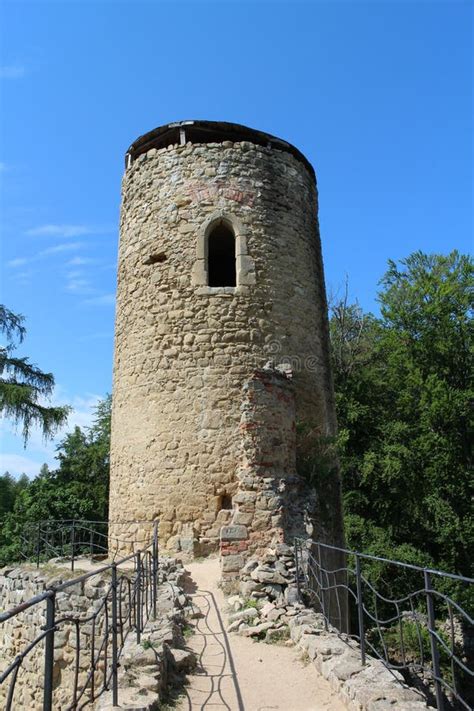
point(426, 457)
point(78, 488)
point(9, 490)
point(23, 386)
point(404, 394)
point(7, 493)
point(360, 392)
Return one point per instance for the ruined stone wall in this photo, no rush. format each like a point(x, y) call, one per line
point(183, 350)
point(272, 502)
point(20, 584)
point(143, 668)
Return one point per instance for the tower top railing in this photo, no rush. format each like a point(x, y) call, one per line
point(200, 131)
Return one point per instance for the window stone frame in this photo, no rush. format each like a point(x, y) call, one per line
point(244, 264)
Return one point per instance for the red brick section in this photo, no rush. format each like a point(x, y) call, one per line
point(203, 191)
point(228, 548)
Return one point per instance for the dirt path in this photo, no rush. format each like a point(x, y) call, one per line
point(236, 674)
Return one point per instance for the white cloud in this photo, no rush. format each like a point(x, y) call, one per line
point(12, 71)
point(79, 261)
point(104, 300)
point(60, 231)
point(62, 247)
point(56, 249)
point(23, 278)
point(83, 410)
point(19, 262)
point(77, 282)
point(66, 230)
point(79, 286)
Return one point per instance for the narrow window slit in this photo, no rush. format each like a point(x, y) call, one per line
point(221, 257)
point(225, 502)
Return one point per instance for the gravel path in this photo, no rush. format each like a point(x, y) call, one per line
point(236, 674)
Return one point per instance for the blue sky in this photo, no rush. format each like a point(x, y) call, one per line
point(378, 95)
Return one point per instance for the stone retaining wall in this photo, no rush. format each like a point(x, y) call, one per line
point(19, 585)
point(148, 669)
point(336, 657)
point(79, 601)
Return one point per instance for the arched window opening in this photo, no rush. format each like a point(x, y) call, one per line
point(221, 257)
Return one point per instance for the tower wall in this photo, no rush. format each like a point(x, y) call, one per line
point(183, 350)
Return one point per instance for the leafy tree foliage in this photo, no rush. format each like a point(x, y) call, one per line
point(78, 488)
point(23, 386)
point(9, 490)
point(404, 399)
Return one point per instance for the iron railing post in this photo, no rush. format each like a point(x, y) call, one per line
point(114, 637)
point(155, 566)
point(138, 597)
point(91, 544)
point(38, 545)
point(321, 588)
point(297, 571)
point(49, 654)
point(72, 545)
point(360, 610)
point(433, 642)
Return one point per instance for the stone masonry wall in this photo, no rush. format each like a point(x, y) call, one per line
point(273, 503)
point(18, 585)
point(184, 350)
point(271, 498)
point(142, 674)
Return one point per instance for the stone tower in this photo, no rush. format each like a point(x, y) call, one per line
point(221, 340)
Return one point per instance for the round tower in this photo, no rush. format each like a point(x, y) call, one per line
point(220, 271)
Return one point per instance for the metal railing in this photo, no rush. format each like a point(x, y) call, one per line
point(125, 606)
point(70, 538)
point(419, 631)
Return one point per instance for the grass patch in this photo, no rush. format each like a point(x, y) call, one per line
point(279, 636)
point(305, 658)
point(251, 603)
point(187, 631)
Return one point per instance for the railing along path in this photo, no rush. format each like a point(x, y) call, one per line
point(404, 631)
point(125, 606)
